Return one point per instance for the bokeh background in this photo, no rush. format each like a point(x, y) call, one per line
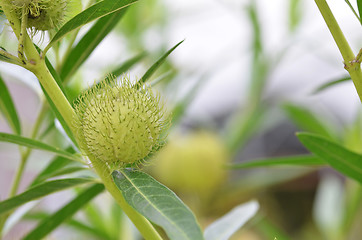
point(242, 64)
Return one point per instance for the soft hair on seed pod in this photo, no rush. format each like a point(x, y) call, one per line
point(120, 123)
point(42, 15)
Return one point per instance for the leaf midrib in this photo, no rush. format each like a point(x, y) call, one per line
point(138, 190)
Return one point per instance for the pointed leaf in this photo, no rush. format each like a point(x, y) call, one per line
point(76, 224)
point(244, 125)
point(352, 9)
point(157, 64)
point(50, 223)
point(359, 6)
point(341, 159)
point(181, 106)
point(28, 142)
point(226, 226)
point(158, 204)
point(332, 83)
point(6, 57)
point(128, 64)
point(94, 12)
point(294, 14)
point(57, 167)
point(89, 42)
point(302, 160)
point(8, 109)
point(39, 191)
point(304, 119)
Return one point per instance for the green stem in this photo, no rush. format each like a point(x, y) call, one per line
point(352, 65)
point(142, 224)
point(37, 65)
point(55, 93)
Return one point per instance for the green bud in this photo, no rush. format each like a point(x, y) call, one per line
point(120, 123)
point(42, 14)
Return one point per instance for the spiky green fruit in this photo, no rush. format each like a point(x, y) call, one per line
point(120, 123)
point(42, 15)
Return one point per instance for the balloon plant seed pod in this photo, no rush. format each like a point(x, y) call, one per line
point(192, 163)
point(120, 123)
point(42, 15)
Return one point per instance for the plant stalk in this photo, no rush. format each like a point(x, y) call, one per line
point(142, 224)
point(351, 63)
point(36, 64)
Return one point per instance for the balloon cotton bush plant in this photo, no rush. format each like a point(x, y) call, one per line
point(142, 198)
point(116, 124)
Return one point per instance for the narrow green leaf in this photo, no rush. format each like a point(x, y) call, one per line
point(303, 160)
point(294, 14)
point(7, 57)
point(8, 109)
point(306, 120)
point(39, 191)
point(31, 143)
point(56, 164)
point(50, 223)
point(158, 204)
point(60, 172)
point(89, 42)
point(268, 230)
point(77, 225)
point(181, 106)
point(359, 6)
point(157, 64)
point(116, 220)
point(243, 125)
point(352, 135)
point(128, 64)
point(94, 12)
point(163, 77)
point(341, 159)
point(352, 9)
point(331, 83)
point(95, 217)
point(227, 225)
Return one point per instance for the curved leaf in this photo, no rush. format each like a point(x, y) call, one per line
point(28, 142)
point(226, 226)
point(359, 6)
point(8, 108)
point(89, 42)
point(304, 119)
point(157, 64)
point(7, 57)
point(94, 12)
point(128, 64)
point(58, 166)
point(343, 160)
point(39, 191)
point(158, 204)
point(331, 83)
point(50, 223)
point(302, 160)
